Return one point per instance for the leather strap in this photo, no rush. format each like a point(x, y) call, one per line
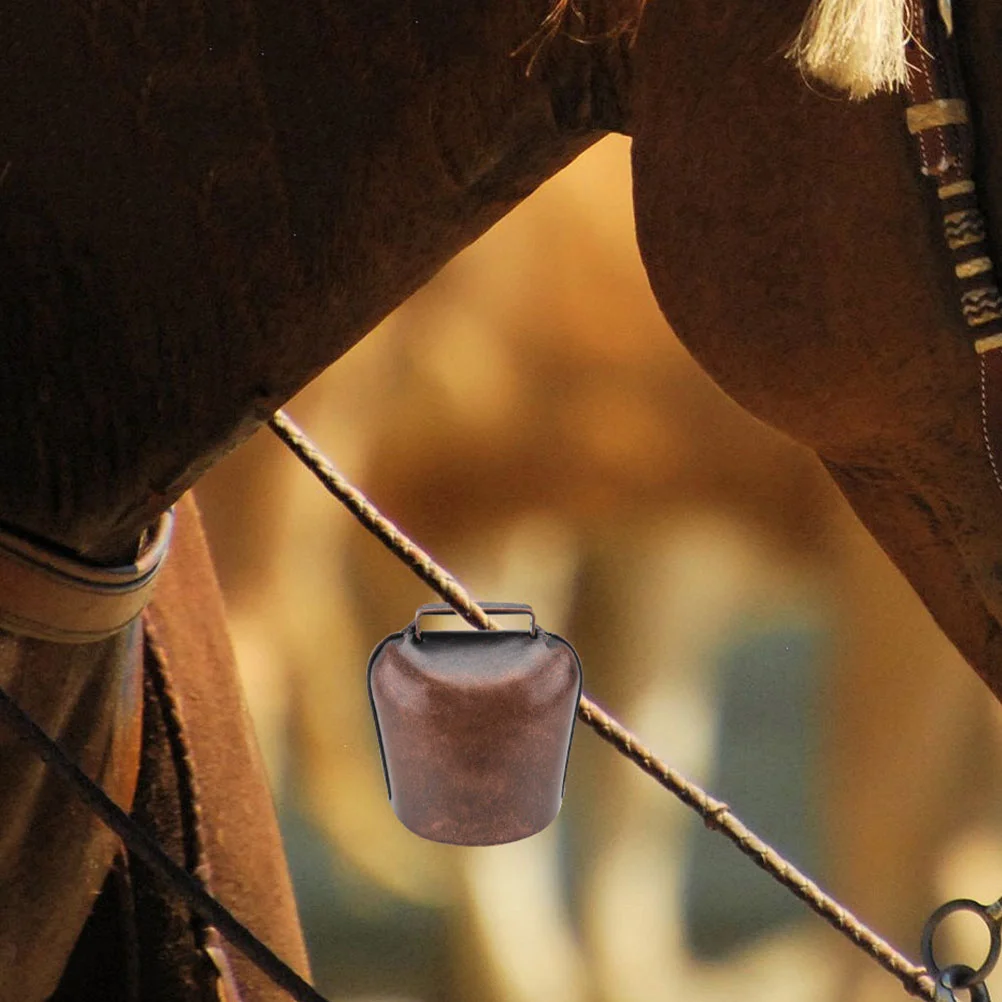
point(140, 844)
point(491, 608)
point(52, 596)
point(939, 118)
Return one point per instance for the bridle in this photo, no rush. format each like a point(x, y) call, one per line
point(938, 115)
point(49, 595)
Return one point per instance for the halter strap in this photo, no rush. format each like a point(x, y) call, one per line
point(939, 117)
point(52, 596)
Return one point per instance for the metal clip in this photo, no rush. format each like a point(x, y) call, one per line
point(958, 976)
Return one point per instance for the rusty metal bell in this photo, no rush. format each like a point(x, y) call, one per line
point(475, 727)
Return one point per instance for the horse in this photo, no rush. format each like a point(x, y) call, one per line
point(203, 206)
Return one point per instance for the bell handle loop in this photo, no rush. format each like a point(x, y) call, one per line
point(491, 608)
point(959, 976)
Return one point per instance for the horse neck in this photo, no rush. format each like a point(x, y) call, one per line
point(439, 116)
point(283, 177)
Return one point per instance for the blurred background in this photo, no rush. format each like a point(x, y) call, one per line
point(530, 419)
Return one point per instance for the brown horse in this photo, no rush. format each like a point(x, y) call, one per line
point(203, 205)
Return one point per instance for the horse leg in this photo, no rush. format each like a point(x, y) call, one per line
point(242, 858)
point(920, 542)
point(890, 790)
point(54, 853)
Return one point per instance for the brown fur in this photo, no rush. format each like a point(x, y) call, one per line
point(204, 208)
point(569, 17)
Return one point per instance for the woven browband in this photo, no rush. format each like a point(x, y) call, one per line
point(50, 596)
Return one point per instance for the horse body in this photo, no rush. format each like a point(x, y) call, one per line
point(202, 205)
point(260, 188)
point(793, 246)
point(186, 238)
point(200, 183)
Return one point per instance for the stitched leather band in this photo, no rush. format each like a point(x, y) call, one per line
point(939, 118)
point(936, 114)
point(50, 596)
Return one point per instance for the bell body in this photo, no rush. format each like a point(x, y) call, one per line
point(475, 730)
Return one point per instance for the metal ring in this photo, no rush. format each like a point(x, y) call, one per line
point(929, 958)
point(959, 976)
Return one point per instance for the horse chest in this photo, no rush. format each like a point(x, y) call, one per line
point(819, 304)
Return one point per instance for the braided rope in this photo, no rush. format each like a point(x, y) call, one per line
point(715, 814)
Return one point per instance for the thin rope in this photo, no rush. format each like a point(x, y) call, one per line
point(716, 815)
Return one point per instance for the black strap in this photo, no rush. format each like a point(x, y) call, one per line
point(141, 845)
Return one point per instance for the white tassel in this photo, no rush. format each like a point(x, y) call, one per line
point(857, 46)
